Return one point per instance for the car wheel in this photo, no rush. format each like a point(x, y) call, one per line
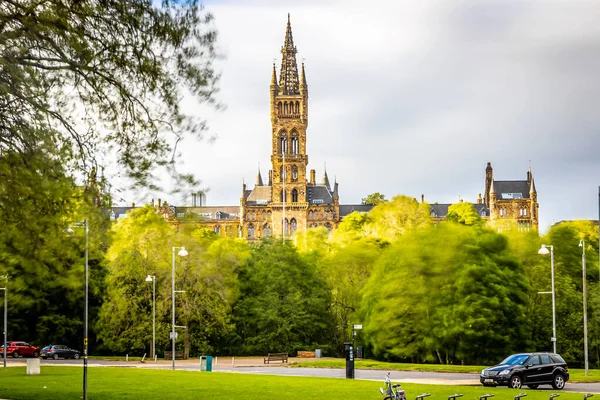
point(558, 382)
point(36, 354)
point(532, 386)
point(515, 382)
point(55, 356)
point(15, 354)
point(76, 356)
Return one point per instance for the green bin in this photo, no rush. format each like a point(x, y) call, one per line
point(206, 363)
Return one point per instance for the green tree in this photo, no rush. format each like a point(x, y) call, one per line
point(464, 213)
point(390, 220)
point(283, 302)
point(91, 76)
point(374, 199)
point(450, 294)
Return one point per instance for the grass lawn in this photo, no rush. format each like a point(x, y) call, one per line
point(576, 375)
point(135, 383)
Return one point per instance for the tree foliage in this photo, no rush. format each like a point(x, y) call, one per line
point(374, 199)
point(92, 76)
point(390, 220)
point(464, 213)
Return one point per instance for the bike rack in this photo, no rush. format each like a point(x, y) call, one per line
point(485, 396)
point(454, 396)
point(517, 397)
point(427, 395)
point(553, 395)
point(585, 396)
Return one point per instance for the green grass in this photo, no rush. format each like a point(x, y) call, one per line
point(576, 375)
point(136, 383)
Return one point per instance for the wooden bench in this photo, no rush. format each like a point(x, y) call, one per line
point(178, 354)
point(283, 357)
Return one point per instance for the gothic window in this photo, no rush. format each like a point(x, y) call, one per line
point(310, 214)
point(279, 108)
point(294, 173)
point(266, 230)
point(283, 143)
point(524, 212)
point(330, 214)
point(297, 107)
point(482, 213)
point(218, 229)
point(269, 214)
point(253, 215)
point(250, 231)
point(286, 110)
point(295, 144)
point(264, 214)
point(294, 196)
point(328, 226)
point(286, 227)
point(294, 225)
point(283, 173)
point(433, 214)
point(283, 199)
point(248, 215)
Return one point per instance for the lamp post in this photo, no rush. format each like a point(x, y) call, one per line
point(5, 277)
point(152, 278)
point(585, 329)
point(544, 250)
point(182, 253)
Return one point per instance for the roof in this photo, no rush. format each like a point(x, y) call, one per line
point(259, 195)
point(509, 190)
point(350, 208)
point(211, 212)
point(318, 194)
point(441, 210)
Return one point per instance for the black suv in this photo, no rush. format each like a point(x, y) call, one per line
point(531, 369)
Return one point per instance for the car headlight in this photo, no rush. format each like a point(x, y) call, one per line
point(504, 372)
point(483, 372)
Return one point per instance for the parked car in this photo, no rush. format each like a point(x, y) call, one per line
point(17, 349)
point(531, 369)
point(56, 351)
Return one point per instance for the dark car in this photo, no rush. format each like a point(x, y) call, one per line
point(531, 369)
point(57, 351)
point(16, 349)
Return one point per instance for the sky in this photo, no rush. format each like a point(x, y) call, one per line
point(415, 97)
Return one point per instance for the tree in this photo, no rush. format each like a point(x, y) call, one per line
point(464, 213)
point(90, 76)
point(450, 293)
point(374, 199)
point(283, 302)
point(390, 220)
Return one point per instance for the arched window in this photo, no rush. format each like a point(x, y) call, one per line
point(283, 143)
point(295, 144)
point(264, 214)
point(297, 107)
point(279, 108)
point(524, 212)
point(269, 214)
point(283, 199)
point(294, 225)
point(328, 226)
point(253, 215)
point(286, 227)
point(310, 214)
point(294, 173)
point(218, 229)
point(294, 196)
point(266, 230)
point(283, 174)
point(285, 108)
point(330, 214)
point(250, 231)
point(248, 215)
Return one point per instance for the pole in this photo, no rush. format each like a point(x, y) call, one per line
point(553, 300)
point(283, 196)
point(585, 328)
point(153, 317)
point(173, 310)
point(5, 320)
point(85, 333)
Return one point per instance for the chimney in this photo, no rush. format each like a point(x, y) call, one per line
point(422, 198)
point(313, 178)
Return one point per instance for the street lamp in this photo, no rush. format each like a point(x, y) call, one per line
point(585, 329)
point(544, 250)
point(182, 253)
point(5, 277)
point(152, 278)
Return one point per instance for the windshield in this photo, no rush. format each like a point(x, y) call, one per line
point(516, 359)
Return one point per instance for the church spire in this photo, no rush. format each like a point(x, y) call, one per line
point(288, 77)
point(326, 180)
point(259, 181)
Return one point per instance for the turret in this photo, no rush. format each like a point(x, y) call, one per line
point(489, 177)
point(325, 181)
point(259, 181)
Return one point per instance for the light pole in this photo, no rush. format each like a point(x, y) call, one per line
point(544, 250)
point(182, 253)
point(85, 225)
point(152, 278)
point(5, 277)
point(585, 329)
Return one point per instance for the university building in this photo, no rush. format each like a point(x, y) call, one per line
point(290, 199)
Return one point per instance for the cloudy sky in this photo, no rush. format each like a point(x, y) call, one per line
point(411, 97)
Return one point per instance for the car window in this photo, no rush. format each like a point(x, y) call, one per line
point(515, 359)
point(534, 360)
point(546, 359)
point(557, 359)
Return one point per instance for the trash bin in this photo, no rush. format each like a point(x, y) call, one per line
point(348, 349)
point(318, 353)
point(360, 352)
point(206, 363)
point(33, 366)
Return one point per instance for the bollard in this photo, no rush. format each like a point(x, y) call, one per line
point(419, 397)
point(454, 396)
point(216, 360)
point(126, 357)
point(517, 397)
point(233, 361)
point(485, 396)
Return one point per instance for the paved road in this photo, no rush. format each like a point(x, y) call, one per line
point(251, 366)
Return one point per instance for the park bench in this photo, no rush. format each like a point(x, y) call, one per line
point(178, 354)
point(283, 357)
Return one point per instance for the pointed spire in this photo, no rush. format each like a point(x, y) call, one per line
point(335, 187)
point(259, 181)
point(288, 76)
point(326, 180)
point(532, 186)
point(274, 76)
point(492, 190)
point(303, 76)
